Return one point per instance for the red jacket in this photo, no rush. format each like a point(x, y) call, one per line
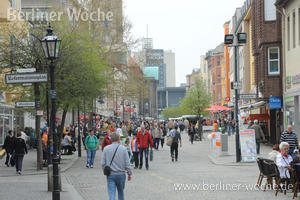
point(144, 140)
point(106, 142)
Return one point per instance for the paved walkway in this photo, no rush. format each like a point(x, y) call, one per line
point(194, 176)
point(30, 164)
point(32, 185)
point(229, 158)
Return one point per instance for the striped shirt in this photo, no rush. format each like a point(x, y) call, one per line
point(290, 138)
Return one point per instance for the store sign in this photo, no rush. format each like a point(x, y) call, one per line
point(275, 103)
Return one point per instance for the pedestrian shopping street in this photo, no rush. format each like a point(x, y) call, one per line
point(198, 169)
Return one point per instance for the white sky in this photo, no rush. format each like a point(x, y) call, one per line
point(189, 28)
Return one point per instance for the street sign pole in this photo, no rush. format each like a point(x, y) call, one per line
point(37, 127)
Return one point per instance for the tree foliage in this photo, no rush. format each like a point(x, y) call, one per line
point(197, 99)
point(194, 103)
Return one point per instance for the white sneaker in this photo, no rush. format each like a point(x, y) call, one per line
point(87, 166)
point(91, 166)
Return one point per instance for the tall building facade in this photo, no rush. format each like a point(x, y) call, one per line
point(266, 33)
point(155, 57)
point(226, 71)
point(290, 52)
point(215, 70)
point(169, 59)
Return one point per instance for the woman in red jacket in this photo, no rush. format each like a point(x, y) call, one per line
point(107, 140)
point(143, 140)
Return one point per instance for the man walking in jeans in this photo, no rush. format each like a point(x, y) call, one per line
point(119, 165)
point(175, 134)
point(143, 139)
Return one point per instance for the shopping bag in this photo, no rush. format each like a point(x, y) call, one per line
point(2, 153)
point(151, 154)
point(169, 140)
point(13, 160)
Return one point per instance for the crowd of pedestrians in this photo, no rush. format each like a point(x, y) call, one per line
point(131, 143)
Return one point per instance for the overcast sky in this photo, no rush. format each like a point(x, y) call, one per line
point(189, 28)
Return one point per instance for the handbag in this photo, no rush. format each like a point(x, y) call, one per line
point(169, 140)
point(151, 154)
point(2, 153)
point(13, 159)
point(107, 169)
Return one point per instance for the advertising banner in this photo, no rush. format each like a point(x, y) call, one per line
point(248, 145)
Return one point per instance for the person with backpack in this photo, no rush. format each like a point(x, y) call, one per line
point(192, 132)
point(9, 146)
point(175, 134)
point(19, 151)
point(164, 134)
point(91, 142)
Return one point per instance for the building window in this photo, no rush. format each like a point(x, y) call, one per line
point(270, 10)
point(13, 4)
point(288, 33)
point(294, 29)
point(273, 60)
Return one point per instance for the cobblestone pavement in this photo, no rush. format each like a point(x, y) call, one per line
point(194, 176)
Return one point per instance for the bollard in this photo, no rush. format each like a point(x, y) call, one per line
point(50, 178)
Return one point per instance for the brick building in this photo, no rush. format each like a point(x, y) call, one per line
point(214, 65)
point(266, 34)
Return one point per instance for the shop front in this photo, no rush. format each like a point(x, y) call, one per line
point(292, 109)
point(268, 113)
point(6, 120)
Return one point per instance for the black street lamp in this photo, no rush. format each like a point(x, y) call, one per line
point(51, 46)
point(241, 38)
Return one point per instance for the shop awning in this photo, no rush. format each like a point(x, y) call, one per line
point(252, 106)
point(259, 117)
point(217, 108)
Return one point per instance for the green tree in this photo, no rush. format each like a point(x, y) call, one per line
point(197, 99)
point(173, 112)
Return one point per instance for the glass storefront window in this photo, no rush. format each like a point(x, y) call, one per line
point(289, 111)
point(6, 122)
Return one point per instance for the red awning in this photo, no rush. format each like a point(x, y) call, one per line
point(217, 108)
point(259, 117)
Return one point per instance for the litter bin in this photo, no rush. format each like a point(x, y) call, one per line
point(224, 143)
